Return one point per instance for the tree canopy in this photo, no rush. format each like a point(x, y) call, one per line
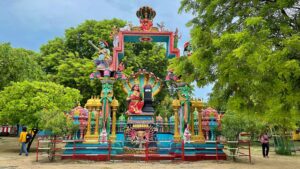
point(249, 50)
point(41, 104)
point(17, 64)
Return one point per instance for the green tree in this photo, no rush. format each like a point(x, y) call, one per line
point(38, 104)
point(146, 56)
point(17, 64)
point(249, 49)
point(235, 123)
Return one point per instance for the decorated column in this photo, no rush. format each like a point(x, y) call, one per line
point(114, 105)
point(97, 104)
point(176, 105)
point(184, 92)
point(89, 105)
point(93, 105)
point(200, 137)
point(106, 99)
point(192, 123)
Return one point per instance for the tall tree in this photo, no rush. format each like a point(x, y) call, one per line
point(38, 104)
point(249, 49)
point(17, 64)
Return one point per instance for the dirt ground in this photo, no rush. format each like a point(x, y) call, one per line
point(9, 159)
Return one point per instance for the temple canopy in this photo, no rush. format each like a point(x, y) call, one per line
point(158, 37)
point(145, 32)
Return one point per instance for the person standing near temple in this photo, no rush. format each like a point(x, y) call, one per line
point(22, 140)
point(264, 139)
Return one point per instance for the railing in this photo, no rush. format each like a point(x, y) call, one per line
point(54, 147)
point(238, 148)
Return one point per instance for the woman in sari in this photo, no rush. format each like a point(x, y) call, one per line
point(136, 102)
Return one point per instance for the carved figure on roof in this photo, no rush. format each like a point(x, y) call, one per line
point(128, 27)
point(161, 26)
point(146, 15)
point(114, 36)
point(146, 24)
point(176, 37)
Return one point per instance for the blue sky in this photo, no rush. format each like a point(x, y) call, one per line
point(31, 23)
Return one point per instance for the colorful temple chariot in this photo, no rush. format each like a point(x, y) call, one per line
point(189, 134)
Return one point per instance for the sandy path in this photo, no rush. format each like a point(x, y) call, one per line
point(9, 159)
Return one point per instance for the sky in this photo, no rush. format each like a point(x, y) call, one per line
point(31, 23)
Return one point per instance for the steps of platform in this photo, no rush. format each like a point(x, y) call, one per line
point(100, 148)
point(143, 157)
point(166, 150)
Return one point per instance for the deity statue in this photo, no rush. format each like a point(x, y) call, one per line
point(161, 26)
point(187, 135)
point(146, 23)
point(187, 50)
point(136, 102)
point(104, 59)
point(119, 73)
point(171, 76)
point(114, 36)
point(103, 136)
point(128, 27)
point(146, 15)
point(176, 37)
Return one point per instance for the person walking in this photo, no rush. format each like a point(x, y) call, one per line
point(22, 140)
point(264, 139)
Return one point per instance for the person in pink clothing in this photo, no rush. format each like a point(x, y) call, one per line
point(264, 139)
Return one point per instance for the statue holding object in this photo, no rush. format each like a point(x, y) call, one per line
point(104, 59)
